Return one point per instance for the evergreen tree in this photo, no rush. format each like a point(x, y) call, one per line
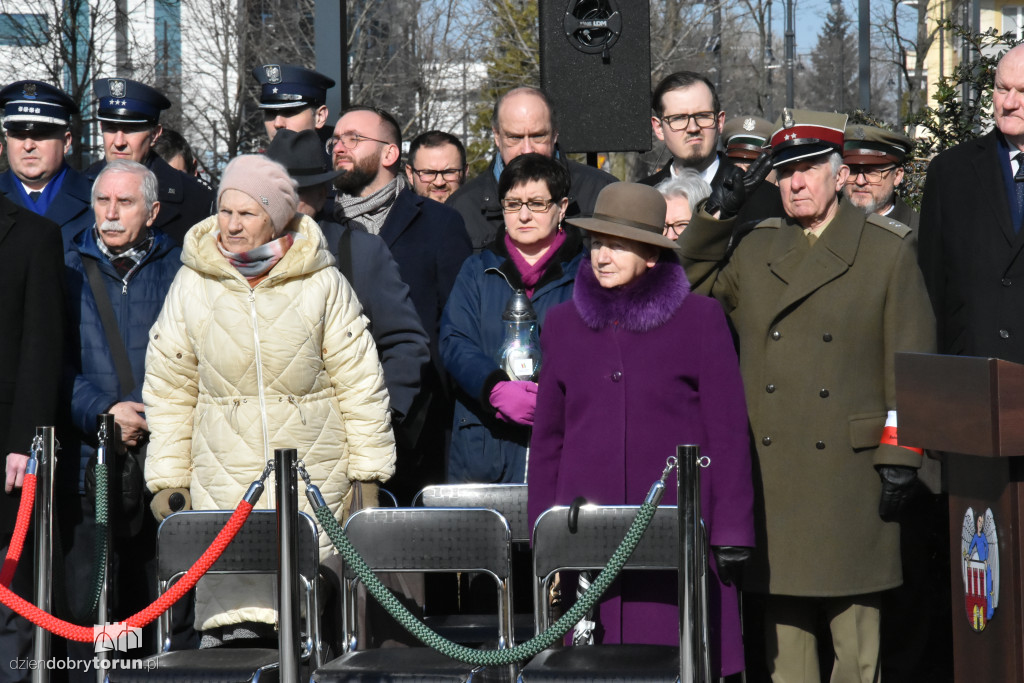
point(830, 84)
point(513, 59)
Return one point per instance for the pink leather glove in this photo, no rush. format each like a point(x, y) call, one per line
point(515, 401)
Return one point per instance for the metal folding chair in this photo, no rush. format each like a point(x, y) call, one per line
point(181, 539)
point(599, 530)
point(510, 501)
point(421, 540)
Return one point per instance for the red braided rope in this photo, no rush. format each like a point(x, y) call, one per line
point(84, 634)
point(28, 497)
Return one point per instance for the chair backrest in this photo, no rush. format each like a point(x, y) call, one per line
point(508, 499)
point(184, 536)
point(433, 540)
point(599, 531)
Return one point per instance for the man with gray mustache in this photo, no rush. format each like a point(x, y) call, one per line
point(118, 273)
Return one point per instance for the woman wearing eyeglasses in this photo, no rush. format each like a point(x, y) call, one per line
point(534, 253)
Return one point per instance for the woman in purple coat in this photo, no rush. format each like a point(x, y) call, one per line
point(635, 365)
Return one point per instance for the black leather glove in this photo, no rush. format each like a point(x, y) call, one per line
point(730, 560)
point(897, 490)
point(757, 172)
point(727, 198)
point(166, 501)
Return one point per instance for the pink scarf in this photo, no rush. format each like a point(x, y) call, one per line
point(257, 262)
point(532, 274)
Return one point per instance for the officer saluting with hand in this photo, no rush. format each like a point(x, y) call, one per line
point(129, 114)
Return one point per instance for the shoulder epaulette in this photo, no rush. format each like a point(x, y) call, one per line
point(893, 226)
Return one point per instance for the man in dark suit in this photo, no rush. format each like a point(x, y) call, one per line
point(32, 310)
point(367, 263)
point(129, 114)
point(688, 118)
point(970, 245)
point(876, 157)
point(523, 121)
point(427, 239)
point(36, 119)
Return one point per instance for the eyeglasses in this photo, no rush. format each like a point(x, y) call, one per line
point(350, 140)
point(427, 175)
point(677, 228)
point(703, 119)
point(534, 205)
point(871, 174)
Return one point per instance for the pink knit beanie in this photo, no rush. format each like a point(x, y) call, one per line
point(267, 182)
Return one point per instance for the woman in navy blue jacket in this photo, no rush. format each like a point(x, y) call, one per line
point(535, 253)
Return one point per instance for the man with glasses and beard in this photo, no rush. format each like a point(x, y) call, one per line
point(688, 118)
point(429, 243)
point(875, 157)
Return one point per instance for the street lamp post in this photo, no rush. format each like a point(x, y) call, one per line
point(790, 51)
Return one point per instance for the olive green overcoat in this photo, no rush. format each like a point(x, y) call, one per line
point(818, 327)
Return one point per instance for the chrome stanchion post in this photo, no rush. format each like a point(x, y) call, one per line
point(694, 655)
point(106, 438)
point(287, 497)
point(44, 449)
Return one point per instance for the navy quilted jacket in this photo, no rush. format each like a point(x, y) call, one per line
point(90, 375)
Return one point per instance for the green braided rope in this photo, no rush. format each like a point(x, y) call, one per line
point(469, 655)
point(99, 573)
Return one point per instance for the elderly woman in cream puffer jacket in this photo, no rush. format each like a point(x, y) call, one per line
point(261, 344)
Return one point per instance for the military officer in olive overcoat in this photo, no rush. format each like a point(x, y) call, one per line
point(821, 301)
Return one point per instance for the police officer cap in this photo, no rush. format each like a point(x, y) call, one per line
point(802, 134)
point(867, 145)
point(126, 101)
point(745, 136)
point(286, 86)
point(34, 105)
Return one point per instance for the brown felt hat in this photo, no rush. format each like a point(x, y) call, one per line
point(631, 211)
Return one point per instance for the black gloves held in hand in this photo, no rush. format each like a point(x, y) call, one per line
point(897, 490)
point(730, 560)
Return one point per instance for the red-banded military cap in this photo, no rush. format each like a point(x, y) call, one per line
point(802, 134)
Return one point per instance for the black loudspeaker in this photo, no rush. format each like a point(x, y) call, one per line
point(595, 64)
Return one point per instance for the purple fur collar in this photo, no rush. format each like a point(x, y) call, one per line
point(642, 305)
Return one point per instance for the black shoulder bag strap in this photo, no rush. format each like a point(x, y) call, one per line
point(110, 329)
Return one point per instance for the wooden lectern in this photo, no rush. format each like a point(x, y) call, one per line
point(972, 409)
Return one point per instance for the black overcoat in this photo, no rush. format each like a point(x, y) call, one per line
point(970, 253)
point(32, 311)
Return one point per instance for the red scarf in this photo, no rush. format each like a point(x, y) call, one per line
point(532, 274)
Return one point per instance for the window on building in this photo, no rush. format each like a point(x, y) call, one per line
point(1013, 20)
point(18, 30)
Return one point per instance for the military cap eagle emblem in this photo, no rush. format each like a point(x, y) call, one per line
point(787, 118)
point(30, 90)
point(749, 124)
point(273, 72)
point(117, 87)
